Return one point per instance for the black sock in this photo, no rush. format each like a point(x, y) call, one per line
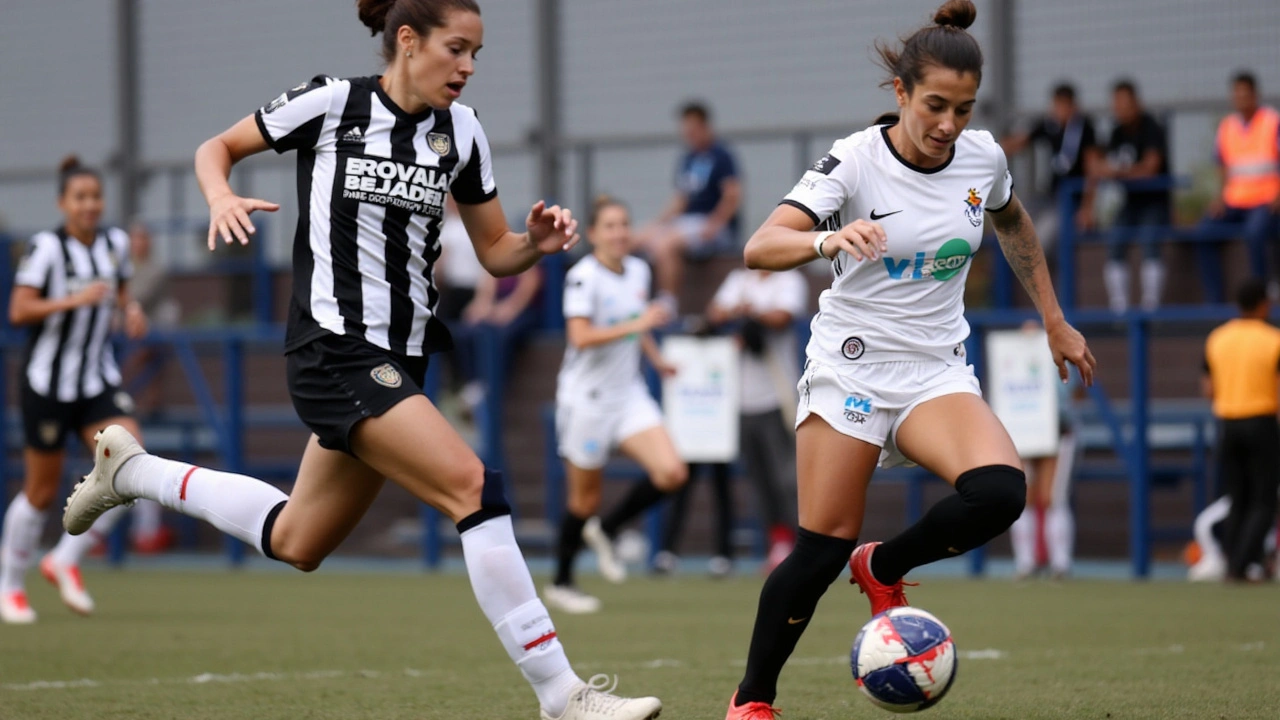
point(787, 602)
point(643, 496)
point(987, 501)
point(568, 546)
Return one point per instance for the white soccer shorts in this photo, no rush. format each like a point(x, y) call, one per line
point(587, 432)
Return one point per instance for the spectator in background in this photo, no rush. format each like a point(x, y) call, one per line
point(1072, 142)
point(1248, 155)
point(505, 307)
point(1136, 154)
point(458, 273)
point(1242, 377)
point(704, 210)
point(150, 288)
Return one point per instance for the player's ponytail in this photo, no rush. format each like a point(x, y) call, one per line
point(71, 167)
point(602, 203)
point(945, 44)
point(388, 16)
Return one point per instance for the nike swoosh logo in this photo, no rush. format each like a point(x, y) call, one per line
point(793, 621)
point(874, 216)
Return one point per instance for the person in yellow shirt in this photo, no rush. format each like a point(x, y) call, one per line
point(1248, 153)
point(1242, 377)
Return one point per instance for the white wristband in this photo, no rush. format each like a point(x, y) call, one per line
point(818, 241)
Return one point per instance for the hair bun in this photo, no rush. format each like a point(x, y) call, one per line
point(373, 13)
point(69, 163)
point(956, 13)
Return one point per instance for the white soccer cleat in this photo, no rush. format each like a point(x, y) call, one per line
point(607, 560)
point(1210, 568)
point(96, 493)
point(569, 599)
point(15, 610)
point(591, 701)
point(70, 586)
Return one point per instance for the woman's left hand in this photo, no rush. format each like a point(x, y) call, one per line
point(551, 229)
point(1068, 345)
point(665, 369)
point(135, 321)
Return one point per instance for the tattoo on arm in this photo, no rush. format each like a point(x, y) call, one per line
point(1021, 247)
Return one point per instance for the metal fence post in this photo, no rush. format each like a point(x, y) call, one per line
point(1139, 447)
point(233, 426)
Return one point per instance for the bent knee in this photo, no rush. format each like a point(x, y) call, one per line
point(672, 477)
point(999, 489)
point(41, 498)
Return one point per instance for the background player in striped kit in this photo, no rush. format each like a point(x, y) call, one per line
point(68, 289)
point(886, 380)
point(376, 157)
point(602, 401)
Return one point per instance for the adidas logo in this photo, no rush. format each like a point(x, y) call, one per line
point(354, 135)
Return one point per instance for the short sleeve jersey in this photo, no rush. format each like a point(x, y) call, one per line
point(909, 304)
point(1068, 143)
point(69, 353)
point(372, 180)
point(1128, 145)
point(701, 176)
point(603, 374)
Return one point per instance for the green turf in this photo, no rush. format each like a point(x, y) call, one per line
point(275, 645)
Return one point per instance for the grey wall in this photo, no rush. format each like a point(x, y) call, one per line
point(627, 64)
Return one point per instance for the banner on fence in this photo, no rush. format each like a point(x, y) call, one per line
point(700, 402)
point(1022, 387)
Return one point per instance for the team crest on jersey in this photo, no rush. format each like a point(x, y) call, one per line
point(973, 208)
point(386, 375)
point(439, 143)
point(853, 348)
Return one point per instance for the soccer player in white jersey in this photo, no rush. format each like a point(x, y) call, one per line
point(602, 401)
point(69, 289)
point(376, 157)
point(886, 380)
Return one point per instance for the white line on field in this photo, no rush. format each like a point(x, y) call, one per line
point(987, 654)
point(209, 678)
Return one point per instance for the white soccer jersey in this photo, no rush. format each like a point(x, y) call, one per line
point(69, 355)
point(909, 304)
point(603, 374)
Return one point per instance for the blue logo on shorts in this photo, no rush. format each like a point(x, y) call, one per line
point(857, 408)
point(591, 446)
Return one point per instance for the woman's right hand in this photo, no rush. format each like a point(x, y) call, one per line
point(861, 238)
point(655, 315)
point(90, 294)
point(229, 216)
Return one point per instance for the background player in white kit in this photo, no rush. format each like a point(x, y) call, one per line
point(602, 401)
point(886, 379)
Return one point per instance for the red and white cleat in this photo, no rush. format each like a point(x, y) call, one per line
point(70, 586)
point(15, 610)
point(883, 597)
point(751, 710)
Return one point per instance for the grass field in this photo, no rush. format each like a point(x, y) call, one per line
point(275, 645)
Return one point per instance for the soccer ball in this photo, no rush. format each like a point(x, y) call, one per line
point(904, 659)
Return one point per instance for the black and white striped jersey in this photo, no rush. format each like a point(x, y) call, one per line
point(69, 355)
point(371, 191)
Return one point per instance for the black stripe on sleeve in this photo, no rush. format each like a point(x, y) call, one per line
point(468, 188)
point(800, 206)
point(344, 228)
point(1006, 202)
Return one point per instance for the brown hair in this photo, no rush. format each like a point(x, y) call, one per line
point(945, 44)
point(387, 16)
point(603, 202)
point(69, 168)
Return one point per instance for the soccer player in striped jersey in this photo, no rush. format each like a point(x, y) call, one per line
point(69, 289)
point(602, 401)
point(376, 156)
point(886, 379)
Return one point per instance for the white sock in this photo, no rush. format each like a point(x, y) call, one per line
point(1115, 275)
point(1060, 534)
point(21, 536)
point(71, 549)
point(1023, 535)
point(1152, 283)
point(146, 519)
point(237, 505)
point(1213, 514)
point(502, 585)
